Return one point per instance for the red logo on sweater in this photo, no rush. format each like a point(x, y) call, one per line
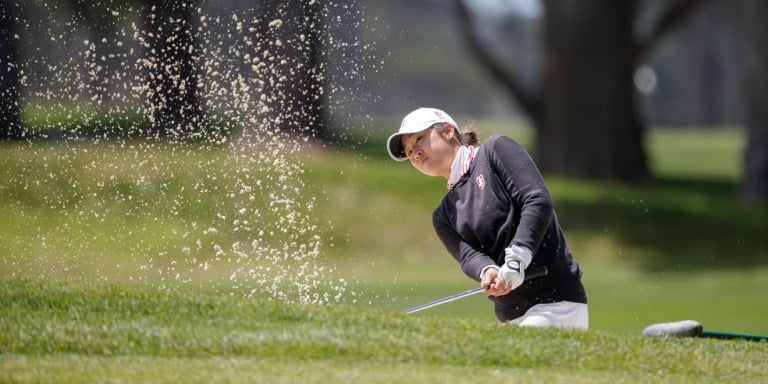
point(480, 181)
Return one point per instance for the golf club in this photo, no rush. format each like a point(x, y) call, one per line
point(528, 276)
point(692, 328)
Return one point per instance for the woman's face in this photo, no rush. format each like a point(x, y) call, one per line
point(432, 151)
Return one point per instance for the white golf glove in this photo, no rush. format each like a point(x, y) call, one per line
point(516, 259)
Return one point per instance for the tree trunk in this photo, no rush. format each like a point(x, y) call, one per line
point(591, 128)
point(292, 79)
point(309, 89)
point(10, 85)
point(172, 98)
point(754, 186)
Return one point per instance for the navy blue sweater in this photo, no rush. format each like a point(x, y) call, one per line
point(500, 201)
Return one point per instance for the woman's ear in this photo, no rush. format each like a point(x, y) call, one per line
point(449, 131)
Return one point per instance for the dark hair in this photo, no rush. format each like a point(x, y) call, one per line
point(468, 137)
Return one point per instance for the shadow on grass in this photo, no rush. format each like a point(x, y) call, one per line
point(684, 224)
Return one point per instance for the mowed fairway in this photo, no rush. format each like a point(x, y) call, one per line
point(72, 310)
point(61, 332)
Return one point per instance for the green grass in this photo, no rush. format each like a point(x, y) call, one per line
point(712, 154)
point(79, 221)
point(74, 332)
point(91, 123)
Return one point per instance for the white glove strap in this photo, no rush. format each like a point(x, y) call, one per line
point(521, 253)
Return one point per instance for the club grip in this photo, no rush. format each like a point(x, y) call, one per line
point(532, 274)
point(536, 273)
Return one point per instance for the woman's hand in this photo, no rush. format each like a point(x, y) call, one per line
point(493, 284)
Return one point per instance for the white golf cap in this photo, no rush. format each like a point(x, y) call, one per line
point(413, 122)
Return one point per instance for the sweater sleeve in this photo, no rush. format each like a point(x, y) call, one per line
point(471, 260)
point(526, 187)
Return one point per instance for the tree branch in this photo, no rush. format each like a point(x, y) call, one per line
point(529, 102)
point(674, 16)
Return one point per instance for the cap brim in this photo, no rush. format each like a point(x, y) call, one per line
point(395, 147)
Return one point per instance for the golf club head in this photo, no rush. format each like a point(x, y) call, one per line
point(682, 328)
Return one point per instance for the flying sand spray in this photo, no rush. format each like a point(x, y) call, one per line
point(245, 221)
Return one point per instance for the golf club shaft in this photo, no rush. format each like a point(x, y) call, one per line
point(528, 276)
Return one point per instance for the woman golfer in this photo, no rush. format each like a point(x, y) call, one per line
point(497, 220)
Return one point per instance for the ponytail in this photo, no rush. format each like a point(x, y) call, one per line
point(468, 137)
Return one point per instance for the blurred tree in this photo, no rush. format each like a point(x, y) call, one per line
point(754, 14)
point(708, 67)
point(10, 84)
point(585, 112)
point(292, 76)
point(172, 96)
point(101, 21)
